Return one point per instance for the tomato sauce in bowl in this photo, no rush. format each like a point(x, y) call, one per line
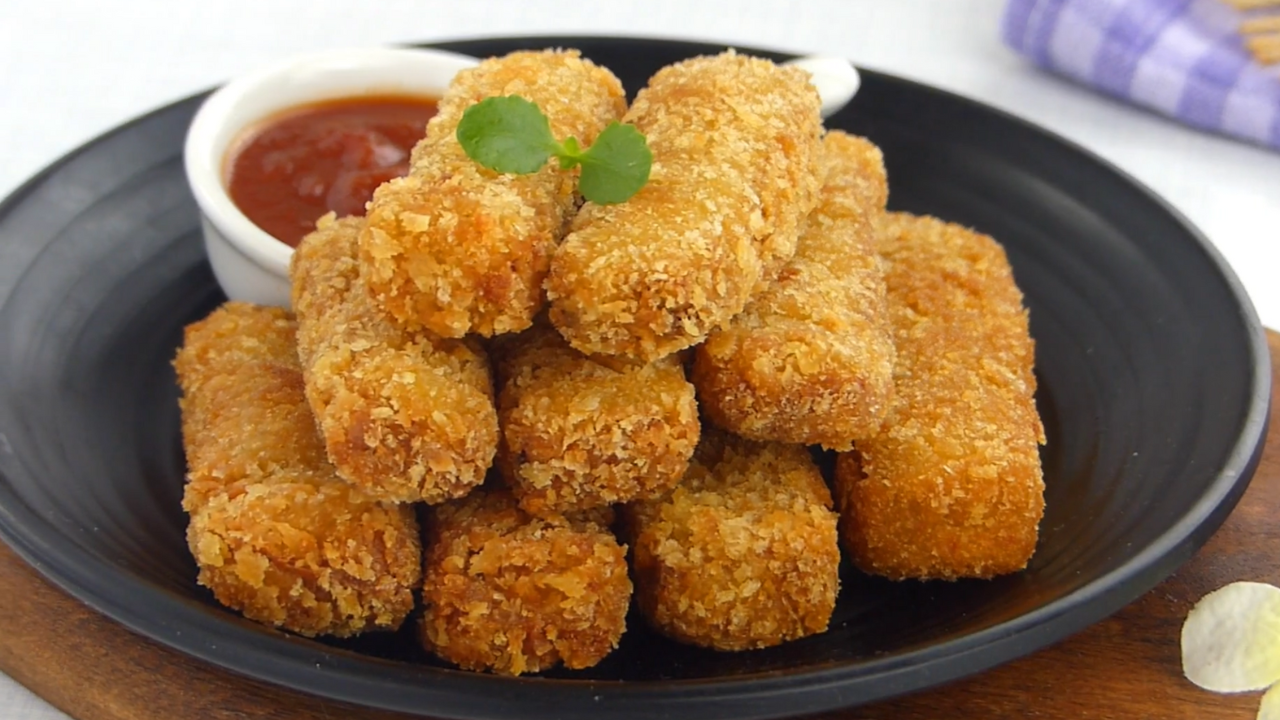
point(288, 170)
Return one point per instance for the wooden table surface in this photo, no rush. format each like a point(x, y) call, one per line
point(1126, 666)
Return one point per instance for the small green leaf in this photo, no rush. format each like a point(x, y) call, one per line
point(507, 134)
point(570, 154)
point(511, 135)
point(616, 166)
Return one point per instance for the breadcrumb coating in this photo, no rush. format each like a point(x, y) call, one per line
point(952, 486)
point(277, 535)
point(510, 593)
point(735, 143)
point(810, 359)
point(460, 249)
point(406, 416)
point(742, 554)
point(579, 434)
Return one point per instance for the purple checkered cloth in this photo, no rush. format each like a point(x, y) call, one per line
point(1182, 58)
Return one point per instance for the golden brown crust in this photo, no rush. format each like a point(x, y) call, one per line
point(742, 554)
point(512, 594)
point(578, 434)
point(404, 415)
point(734, 143)
point(810, 359)
point(460, 249)
point(952, 486)
point(276, 534)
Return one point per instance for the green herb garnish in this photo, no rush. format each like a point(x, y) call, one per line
point(511, 135)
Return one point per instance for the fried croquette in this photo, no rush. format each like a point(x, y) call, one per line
point(735, 148)
point(951, 487)
point(510, 593)
point(277, 535)
point(743, 553)
point(578, 434)
point(461, 249)
point(810, 360)
point(405, 416)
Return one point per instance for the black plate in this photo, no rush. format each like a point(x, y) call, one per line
point(1154, 389)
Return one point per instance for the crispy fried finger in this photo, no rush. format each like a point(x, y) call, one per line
point(405, 415)
point(952, 486)
point(512, 594)
point(460, 249)
point(743, 553)
point(578, 434)
point(810, 359)
point(734, 142)
point(275, 532)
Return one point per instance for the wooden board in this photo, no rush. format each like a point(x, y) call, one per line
point(1127, 666)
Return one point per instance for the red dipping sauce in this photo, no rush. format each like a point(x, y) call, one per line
point(287, 171)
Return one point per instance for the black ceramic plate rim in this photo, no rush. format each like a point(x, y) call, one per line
point(277, 657)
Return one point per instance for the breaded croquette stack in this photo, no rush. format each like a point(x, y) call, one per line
point(405, 416)
point(952, 486)
point(275, 532)
point(758, 257)
point(460, 249)
point(578, 434)
point(510, 593)
point(735, 147)
point(743, 553)
point(810, 360)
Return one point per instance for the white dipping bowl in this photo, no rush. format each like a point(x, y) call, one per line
point(250, 264)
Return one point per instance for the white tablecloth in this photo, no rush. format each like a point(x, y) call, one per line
point(70, 70)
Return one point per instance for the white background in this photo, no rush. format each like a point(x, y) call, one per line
point(72, 69)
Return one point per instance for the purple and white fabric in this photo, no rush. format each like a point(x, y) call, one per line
point(1182, 58)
